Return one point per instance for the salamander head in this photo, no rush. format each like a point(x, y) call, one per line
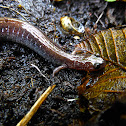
point(90, 63)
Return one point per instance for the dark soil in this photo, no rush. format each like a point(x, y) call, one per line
point(21, 84)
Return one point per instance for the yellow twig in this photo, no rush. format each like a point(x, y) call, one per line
point(35, 107)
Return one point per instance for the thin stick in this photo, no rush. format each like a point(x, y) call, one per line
point(5, 7)
point(35, 107)
point(99, 19)
point(39, 71)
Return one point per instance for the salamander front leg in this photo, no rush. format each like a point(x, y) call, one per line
point(56, 70)
point(79, 51)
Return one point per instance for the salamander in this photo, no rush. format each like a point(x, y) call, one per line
point(28, 35)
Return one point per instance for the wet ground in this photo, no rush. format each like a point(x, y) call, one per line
point(21, 84)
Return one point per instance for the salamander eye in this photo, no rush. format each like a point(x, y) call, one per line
point(97, 55)
point(97, 65)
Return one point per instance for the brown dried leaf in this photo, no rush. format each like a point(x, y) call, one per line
point(108, 87)
point(110, 45)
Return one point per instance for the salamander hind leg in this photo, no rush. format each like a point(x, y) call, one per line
point(57, 69)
